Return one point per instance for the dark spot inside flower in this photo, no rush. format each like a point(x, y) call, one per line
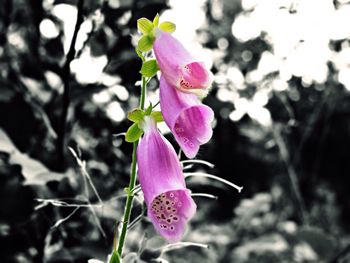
point(164, 211)
point(185, 84)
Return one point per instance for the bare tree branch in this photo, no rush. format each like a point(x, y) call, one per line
point(66, 93)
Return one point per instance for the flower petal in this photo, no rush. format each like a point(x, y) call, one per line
point(188, 119)
point(178, 66)
point(169, 203)
point(195, 76)
point(170, 212)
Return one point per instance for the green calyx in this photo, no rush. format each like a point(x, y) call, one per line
point(148, 29)
point(137, 116)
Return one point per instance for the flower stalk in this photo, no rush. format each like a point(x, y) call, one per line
point(132, 183)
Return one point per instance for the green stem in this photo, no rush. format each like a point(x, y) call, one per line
point(143, 93)
point(129, 200)
point(130, 192)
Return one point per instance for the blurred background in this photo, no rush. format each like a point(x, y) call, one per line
point(281, 98)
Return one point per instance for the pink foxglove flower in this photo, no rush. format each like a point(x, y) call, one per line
point(188, 119)
point(169, 203)
point(179, 67)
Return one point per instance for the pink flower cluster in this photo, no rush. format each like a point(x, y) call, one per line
point(169, 202)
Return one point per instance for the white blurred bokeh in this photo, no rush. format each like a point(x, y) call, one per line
point(298, 31)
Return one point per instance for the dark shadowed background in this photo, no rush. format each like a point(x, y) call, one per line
point(281, 98)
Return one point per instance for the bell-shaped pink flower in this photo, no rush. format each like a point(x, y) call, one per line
point(169, 202)
point(178, 66)
point(188, 119)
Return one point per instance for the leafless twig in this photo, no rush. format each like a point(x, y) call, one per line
point(66, 81)
point(291, 171)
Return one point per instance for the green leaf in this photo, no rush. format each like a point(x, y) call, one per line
point(115, 258)
point(144, 25)
point(145, 43)
point(149, 68)
point(156, 20)
point(149, 109)
point(167, 27)
point(136, 115)
point(139, 53)
point(133, 133)
point(157, 116)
